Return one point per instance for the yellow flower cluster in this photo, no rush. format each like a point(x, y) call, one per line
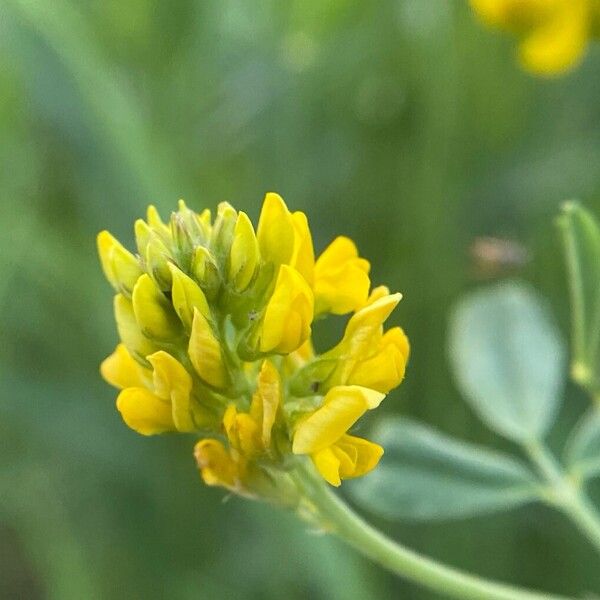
point(553, 34)
point(215, 321)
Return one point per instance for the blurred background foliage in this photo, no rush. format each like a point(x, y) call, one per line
point(401, 123)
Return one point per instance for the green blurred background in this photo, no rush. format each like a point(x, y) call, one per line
point(402, 123)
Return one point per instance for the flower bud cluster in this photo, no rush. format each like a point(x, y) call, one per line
point(215, 320)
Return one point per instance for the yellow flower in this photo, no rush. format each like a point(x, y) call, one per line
point(323, 436)
point(383, 369)
point(288, 315)
point(341, 278)
point(215, 325)
point(217, 466)
point(366, 355)
point(348, 458)
point(553, 34)
point(242, 432)
point(250, 433)
point(152, 400)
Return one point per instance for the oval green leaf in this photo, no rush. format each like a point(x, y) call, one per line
point(425, 475)
point(508, 359)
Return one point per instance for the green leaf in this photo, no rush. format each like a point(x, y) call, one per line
point(425, 475)
point(581, 238)
point(508, 358)
point(582, 452)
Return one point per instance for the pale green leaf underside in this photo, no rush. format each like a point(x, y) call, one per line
point(426, 475)
point(508, 359)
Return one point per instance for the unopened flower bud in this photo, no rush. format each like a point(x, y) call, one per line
point(205, 272)
point(275, 231)
point(153, 312)
point(182, 240)
point(186, 296)
point(138, 345)
point(143, 235)
point(222, 232)
point(194, 224)
point(156, 258)
point(205, 352)
point(156, 223)
point(244, 256)
point(120, 267)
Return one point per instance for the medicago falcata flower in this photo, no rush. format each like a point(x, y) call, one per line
point(215, 324)
point(553, 34)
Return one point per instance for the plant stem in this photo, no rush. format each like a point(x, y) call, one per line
point(565, 494)
point(334, 515)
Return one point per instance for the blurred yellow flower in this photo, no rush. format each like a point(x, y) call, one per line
point(553, 34)
point(215, 323)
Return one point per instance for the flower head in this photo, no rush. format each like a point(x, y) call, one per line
point(553, 34)
point(215, 323)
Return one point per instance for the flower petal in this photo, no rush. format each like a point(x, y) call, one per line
point(145, 412)
point(275, 232)
point(205, 352)
point(186, 295)
point(341, 278)
point(342, 407)
point(288, 315)
point(172, 382)
point(244, 255)
point(120, 267)
point(153, 312)
point(266, 400)
point(121, 370)
point(385, 369)
point(328, 465)
point(303, 256)
point(215, 464)
point(367, 455)
point(138, 345)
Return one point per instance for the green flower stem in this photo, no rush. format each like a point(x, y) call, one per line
point(332, 514)
point(565, 494)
